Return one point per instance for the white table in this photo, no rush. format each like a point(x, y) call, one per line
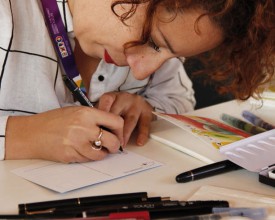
point(157, 182)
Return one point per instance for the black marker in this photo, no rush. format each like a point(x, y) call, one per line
point(76, 91)
point(80, 96)
point(207, 171)
point(156, 209)
point(166, 209)
point(153, 206)
point(50, 206)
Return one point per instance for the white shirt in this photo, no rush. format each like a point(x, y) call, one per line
point(31, 78)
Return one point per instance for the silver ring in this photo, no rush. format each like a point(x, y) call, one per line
point(97, 144)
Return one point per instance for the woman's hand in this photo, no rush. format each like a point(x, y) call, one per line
point(64, 135)
point(134, 109)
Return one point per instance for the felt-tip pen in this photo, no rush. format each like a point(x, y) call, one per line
point(159, 209)
point(76, 91)
point(37, 207)
point(240, 124)
point(207, 171)
point(251, 213)
point(136, 206)
point(164, 208)
point(80, 96)
point(257, 121)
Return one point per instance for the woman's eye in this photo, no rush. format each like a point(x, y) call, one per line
point(153, 45)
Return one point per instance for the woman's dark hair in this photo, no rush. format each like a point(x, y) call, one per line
point(246, 58)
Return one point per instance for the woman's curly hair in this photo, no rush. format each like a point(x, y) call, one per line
point(246, 59)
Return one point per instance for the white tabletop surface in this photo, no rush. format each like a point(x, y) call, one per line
point(160, 181)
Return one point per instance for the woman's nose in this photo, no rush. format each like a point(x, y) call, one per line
point(144, 61)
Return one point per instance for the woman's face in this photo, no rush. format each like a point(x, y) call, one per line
point(102, 35)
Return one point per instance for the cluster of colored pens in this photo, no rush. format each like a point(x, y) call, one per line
point(256, 125)
point(130, 205)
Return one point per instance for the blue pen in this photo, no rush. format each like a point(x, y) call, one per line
point(249, 116)
point(221, 213)
point(251, 213)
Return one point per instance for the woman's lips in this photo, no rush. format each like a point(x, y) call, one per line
point(108, 58)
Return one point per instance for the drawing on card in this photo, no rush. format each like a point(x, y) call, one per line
point(211, 131)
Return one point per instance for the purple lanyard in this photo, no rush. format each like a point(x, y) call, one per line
point(64, 50)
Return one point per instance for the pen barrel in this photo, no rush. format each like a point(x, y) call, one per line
point(257, 121)
point(207, 171)
point(82, 202)
point(105, 209)
point(155, 208)
point(265, 125)
point(161, 211)
point(237, 123)
point(76, 91)
point(179, 212)
point(215, 169)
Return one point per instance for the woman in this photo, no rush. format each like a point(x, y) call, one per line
point(144, 35)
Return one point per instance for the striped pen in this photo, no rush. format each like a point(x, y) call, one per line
point(257, 121)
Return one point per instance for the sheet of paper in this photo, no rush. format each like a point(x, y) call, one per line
point(66, 177)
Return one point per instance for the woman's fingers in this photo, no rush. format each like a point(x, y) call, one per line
point(134, 109)
point(65, 135)
point(144, 126)
point(98, 145)
point(111, 122)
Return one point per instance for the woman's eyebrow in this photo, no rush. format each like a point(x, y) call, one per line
point(167, 43)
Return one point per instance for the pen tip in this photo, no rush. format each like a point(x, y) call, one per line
point(120, 149)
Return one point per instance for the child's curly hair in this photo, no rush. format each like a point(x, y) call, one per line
point(246, 58)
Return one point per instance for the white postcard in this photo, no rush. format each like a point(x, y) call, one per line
point(66, 177)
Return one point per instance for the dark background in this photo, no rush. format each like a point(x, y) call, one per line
point(205, 94)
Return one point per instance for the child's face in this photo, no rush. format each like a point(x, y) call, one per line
point(101, 34)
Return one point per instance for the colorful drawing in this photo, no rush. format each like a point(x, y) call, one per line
point(214, 132)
